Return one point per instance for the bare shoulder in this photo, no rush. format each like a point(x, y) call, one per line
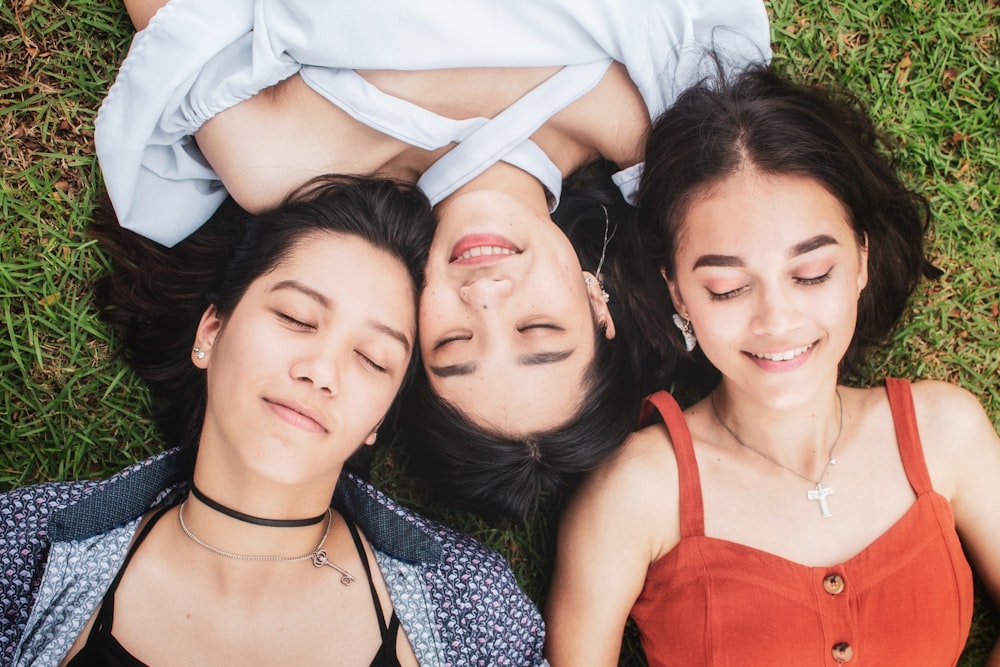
point(947, 412)
point(957, 436)
point(632, 496)
point(643, 465)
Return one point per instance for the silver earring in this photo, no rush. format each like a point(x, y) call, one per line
point(588, 281)
point(684, 324)
point(199, 353)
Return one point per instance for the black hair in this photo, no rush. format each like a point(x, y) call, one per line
point(759, 119)
point(154, 296)
point(501, 476)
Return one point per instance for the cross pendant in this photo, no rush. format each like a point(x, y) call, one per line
point(319, 559)
point(819, 494)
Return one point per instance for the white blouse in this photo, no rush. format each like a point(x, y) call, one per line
point(198, 58)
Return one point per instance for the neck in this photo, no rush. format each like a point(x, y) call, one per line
point(232, 513)
point(236, 537)
point(502, 177)
point(798, 436)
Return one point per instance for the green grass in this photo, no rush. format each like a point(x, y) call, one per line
point(928, 69)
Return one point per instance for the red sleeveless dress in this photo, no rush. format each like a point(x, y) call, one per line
point(906, 599)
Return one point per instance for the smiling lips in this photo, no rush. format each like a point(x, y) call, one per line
point(482, 248)
point(782, 356)
point(784, 361)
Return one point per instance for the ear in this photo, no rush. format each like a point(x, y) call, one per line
point(675, 294)
point(863, 266)
point(598, 306)
point(205, 336)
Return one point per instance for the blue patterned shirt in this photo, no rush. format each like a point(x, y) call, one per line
point(62, 543)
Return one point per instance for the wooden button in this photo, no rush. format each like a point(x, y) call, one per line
point(842, 652)
point(833, 584)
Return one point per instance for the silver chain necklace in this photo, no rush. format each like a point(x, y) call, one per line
point(318, 555)
point(819, 493)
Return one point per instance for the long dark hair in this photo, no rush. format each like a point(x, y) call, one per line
point(761, 119)
point(501, 476)
point(154, 296)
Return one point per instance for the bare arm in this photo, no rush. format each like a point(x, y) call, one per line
point(963, 456)
point(609, 535)
point(140, 11)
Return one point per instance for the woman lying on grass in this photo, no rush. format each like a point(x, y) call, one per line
point(487, 106)
point(786, 518)
point(250, 544)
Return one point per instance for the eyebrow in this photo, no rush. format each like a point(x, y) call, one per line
point(325, 302)
point(467, 368)
point(395, 334)
point(536, 359)
point(295, 285)
point(818, 241)
point(540, 358)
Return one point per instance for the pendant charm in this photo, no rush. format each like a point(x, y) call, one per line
point(319, 559)
point(819, 494)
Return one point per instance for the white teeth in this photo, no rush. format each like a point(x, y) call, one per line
point(478, 251)
point(782, 356)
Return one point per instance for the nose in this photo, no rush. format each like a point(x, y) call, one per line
point(777, 312)
point(322, 371)
point(486, 293)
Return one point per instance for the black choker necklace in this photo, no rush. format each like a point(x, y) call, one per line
point(255, 520)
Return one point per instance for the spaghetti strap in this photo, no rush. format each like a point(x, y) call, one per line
point(911, 450)
point(383, 628)
point(692, 510)
point(105, 620)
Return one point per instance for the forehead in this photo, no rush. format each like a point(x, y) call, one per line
point(348, 269)
point(518, 400)
point(750, 210)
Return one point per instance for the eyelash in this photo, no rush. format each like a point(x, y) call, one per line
point(371, 364)
point(816, 280)
point(451, 339)
point(725, 296)
point(291, 321)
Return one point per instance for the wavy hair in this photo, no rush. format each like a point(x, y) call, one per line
point(758, 118)
point(154, 296)
point(502, 476)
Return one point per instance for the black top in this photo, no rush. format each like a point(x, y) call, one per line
point(103, 650)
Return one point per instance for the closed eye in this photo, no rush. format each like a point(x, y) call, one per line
point(292, 322)
point(367, 361)
point(815, 280)
point(725, 296)
point(540, 325)
point(451, 339)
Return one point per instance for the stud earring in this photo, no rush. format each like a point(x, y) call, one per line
point(588, 281)
point(199, 353)
point(684, 324)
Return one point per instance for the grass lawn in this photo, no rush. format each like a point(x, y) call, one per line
point(928, 69)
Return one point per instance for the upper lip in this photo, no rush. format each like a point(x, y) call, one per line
point(485, 245)
point(301, 409)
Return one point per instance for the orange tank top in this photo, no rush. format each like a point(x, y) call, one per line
point(906, 599)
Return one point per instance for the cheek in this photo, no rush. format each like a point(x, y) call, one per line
point(846, 316)
point(433, 308)
point(716, 333)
